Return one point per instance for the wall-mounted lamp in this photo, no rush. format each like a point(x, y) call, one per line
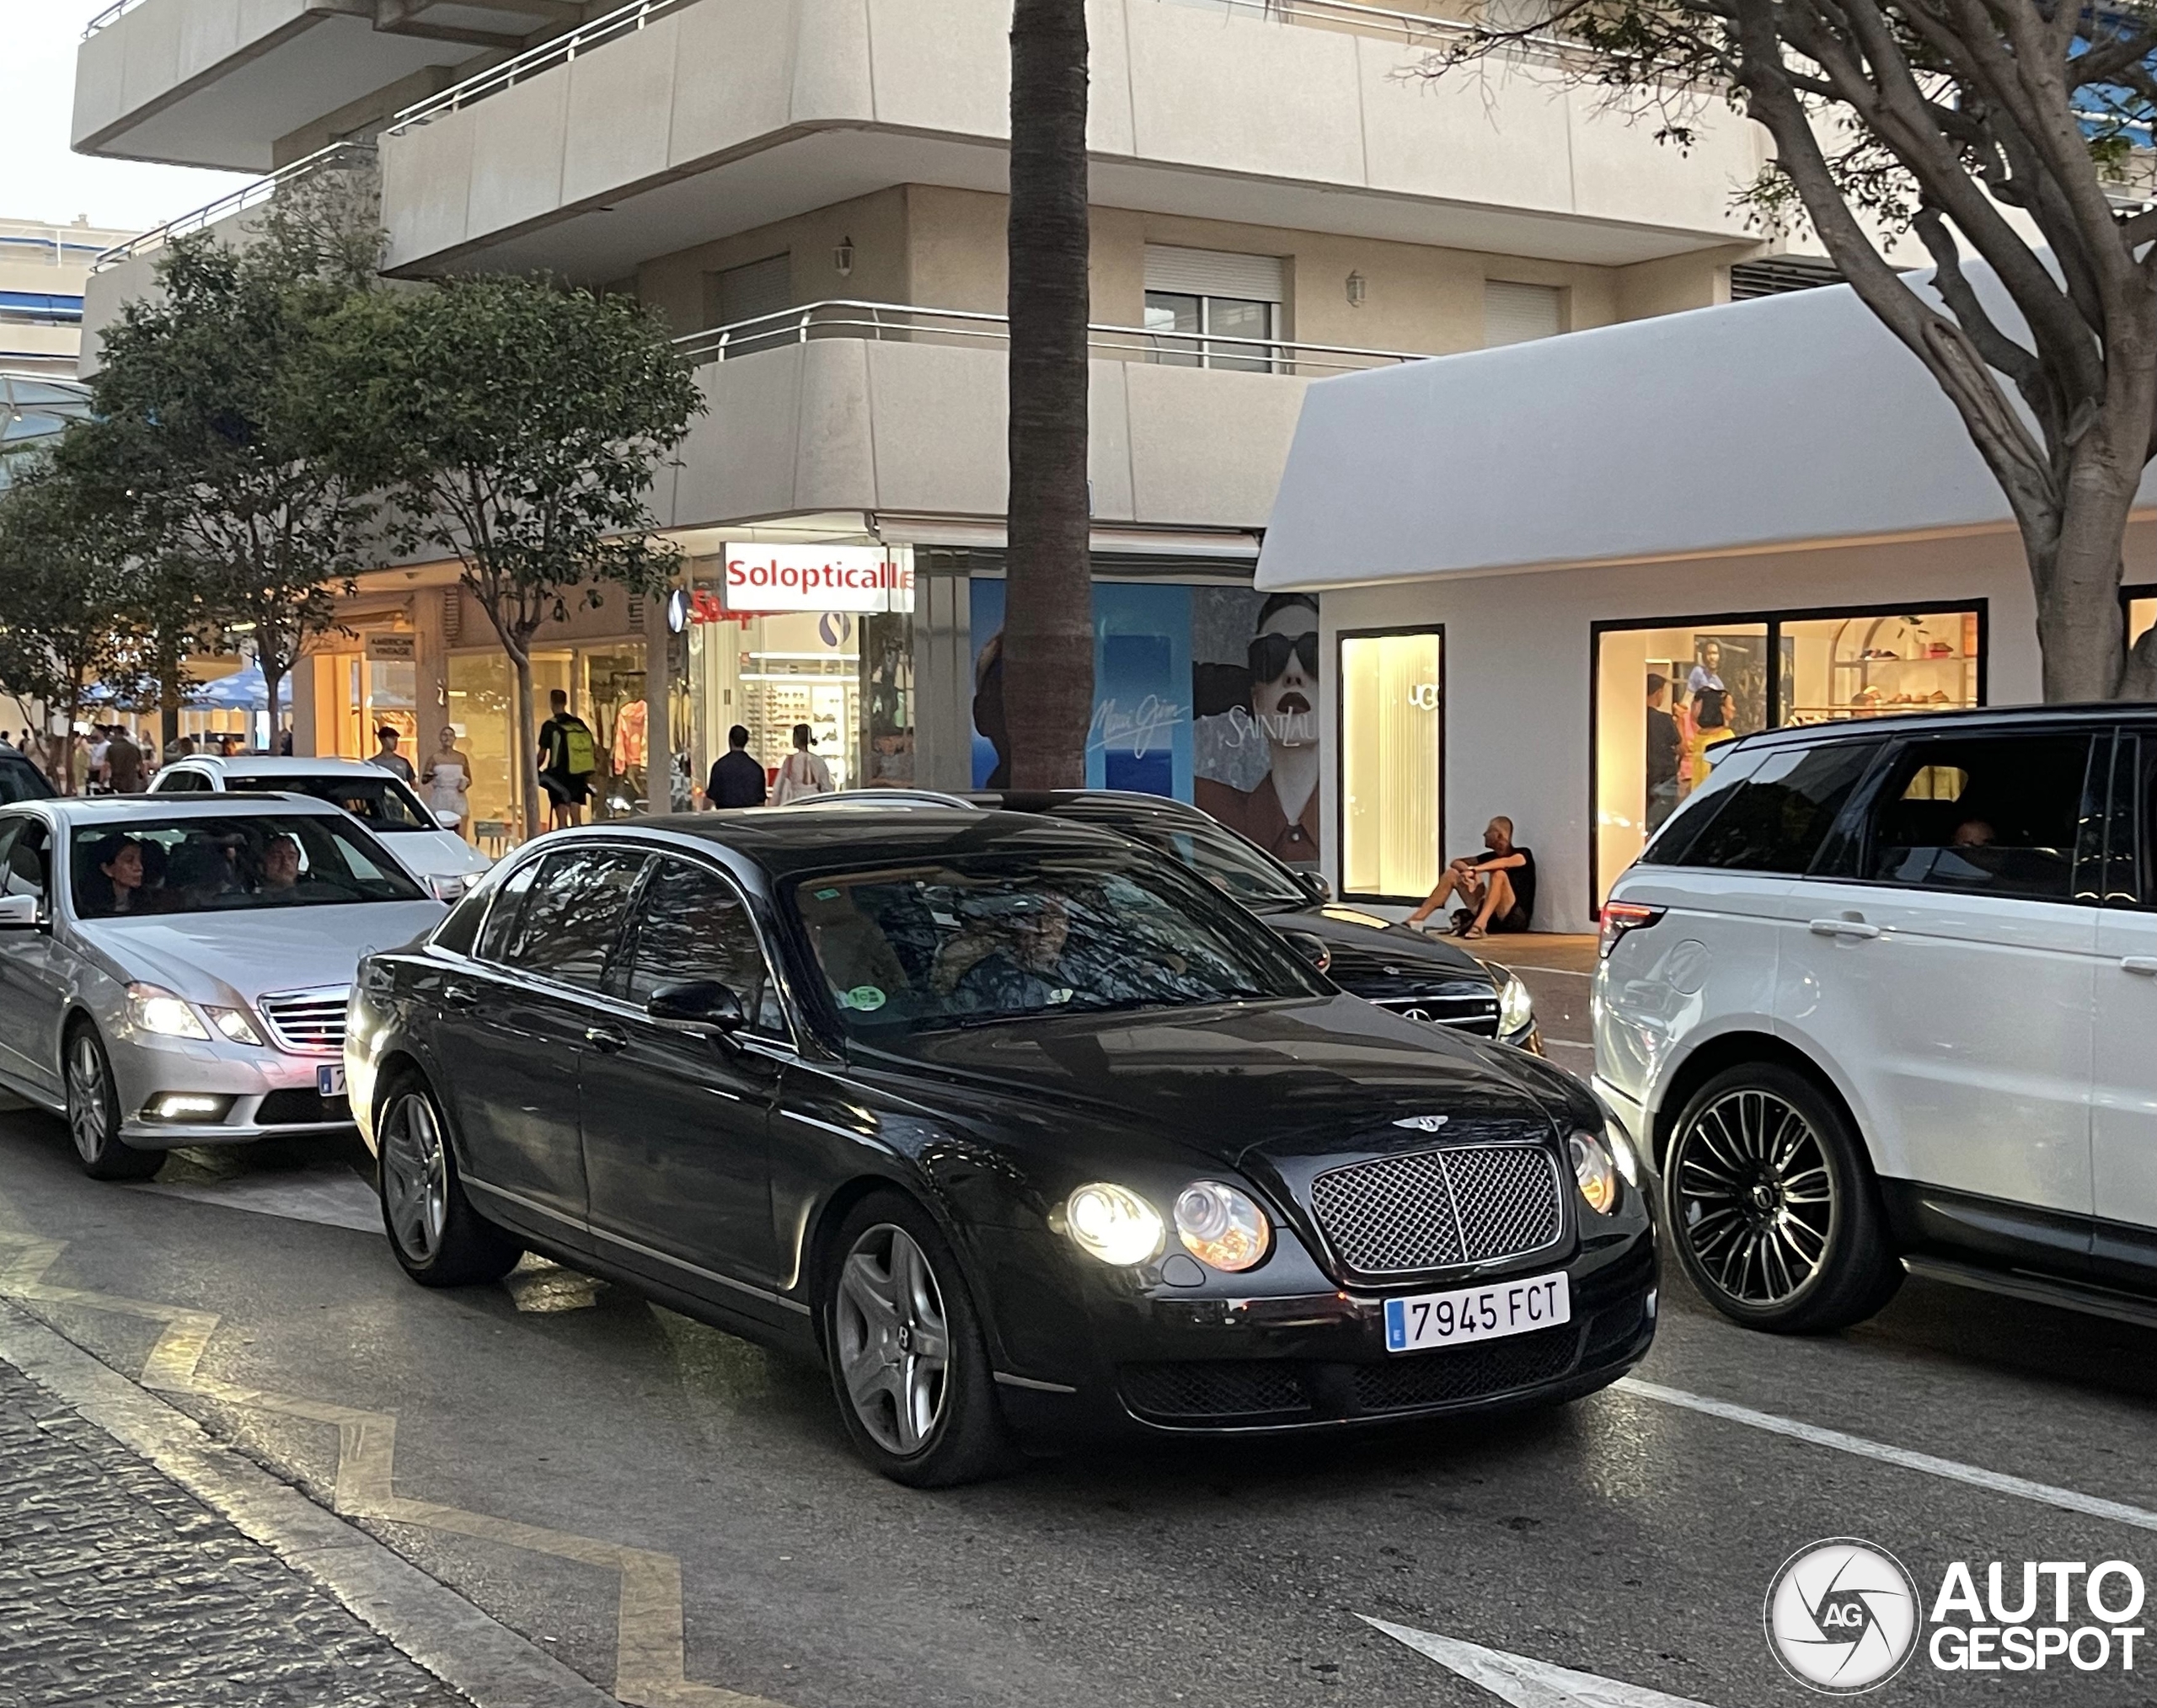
point(842, 256)
point(1356, 290)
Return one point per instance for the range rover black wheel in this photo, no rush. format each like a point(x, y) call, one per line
point(438, 1237)
point(1771, 1202)
point(94, 1116)
point(908, 1362)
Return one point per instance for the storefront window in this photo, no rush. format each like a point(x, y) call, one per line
point(1392, 764)
point(482, 710)
point(2141, 604)
point(847, 674)
point(1667, 694)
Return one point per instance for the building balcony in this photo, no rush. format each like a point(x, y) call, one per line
point(672, 123)
point(126, 270)
point(222, 83)
point(900, 411)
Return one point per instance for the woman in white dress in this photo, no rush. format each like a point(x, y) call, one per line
point(447, 779)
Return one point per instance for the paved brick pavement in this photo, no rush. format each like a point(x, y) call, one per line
point(120, 1590)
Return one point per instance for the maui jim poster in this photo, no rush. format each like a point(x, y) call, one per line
point(1206, 694)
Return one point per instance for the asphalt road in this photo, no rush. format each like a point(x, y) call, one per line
point(554, 1441)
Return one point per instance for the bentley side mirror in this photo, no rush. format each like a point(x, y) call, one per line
point(1309, 946)
point(702, 1002)
point(448, 819)
point(20, 913)
point(1314, 885)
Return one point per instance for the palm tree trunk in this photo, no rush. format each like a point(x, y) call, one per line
point(1048, 627)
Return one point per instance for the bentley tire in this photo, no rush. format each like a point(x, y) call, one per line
point(909, 1365)
point(438, 1237)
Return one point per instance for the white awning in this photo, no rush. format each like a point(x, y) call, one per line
point(1769, 423)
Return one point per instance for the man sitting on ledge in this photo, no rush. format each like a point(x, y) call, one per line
point(1497, 890)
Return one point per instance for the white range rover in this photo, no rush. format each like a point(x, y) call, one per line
point(1882, 997)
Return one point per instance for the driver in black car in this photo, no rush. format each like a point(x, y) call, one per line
point(1020, 967)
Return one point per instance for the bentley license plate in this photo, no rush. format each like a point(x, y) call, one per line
point(1476, 1314)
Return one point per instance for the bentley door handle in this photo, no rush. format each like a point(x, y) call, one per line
point(2146, 965)
point(607, 1040)
point(1843, 928)
point(460, 996)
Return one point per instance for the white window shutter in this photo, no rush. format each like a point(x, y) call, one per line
point(1213, 273)
point(1514, 313)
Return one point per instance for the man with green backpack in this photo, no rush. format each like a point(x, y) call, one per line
point(569, 758)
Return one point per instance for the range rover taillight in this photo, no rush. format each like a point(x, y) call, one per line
point(1620, 916)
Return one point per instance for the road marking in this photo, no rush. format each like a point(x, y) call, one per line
point(334, 1197)
point(428, 1621)
point(1562, 971)
point(1953, 1471)
point(649, 1659)
point(1523, 1682)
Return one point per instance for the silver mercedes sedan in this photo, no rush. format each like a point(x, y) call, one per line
point(175, 972)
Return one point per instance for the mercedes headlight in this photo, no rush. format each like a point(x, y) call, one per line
point(1113, 1223)
point(156, 1009)
point(234, 1024)
point(1221, 1227)
point(448, 886)
point(1596, 1170)
point(1516, 1007)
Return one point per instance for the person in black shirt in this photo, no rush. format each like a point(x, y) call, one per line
point(736, 779)
point(1498, 889)
point(1666, 743)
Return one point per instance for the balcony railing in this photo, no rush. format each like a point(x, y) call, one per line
point(111, 14)
point(337, 155)
point(1414, 29)
point(623, 20)
point(902, 324)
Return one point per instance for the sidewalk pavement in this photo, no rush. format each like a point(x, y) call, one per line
point(118, 1589)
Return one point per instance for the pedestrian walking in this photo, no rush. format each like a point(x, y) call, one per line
point(387, 757)
point(802, 774)
point(737, 777)
point(123, 763)
point(569, 758)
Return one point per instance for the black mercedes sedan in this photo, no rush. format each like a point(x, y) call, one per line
point(1026, 1135)
point(1425, 978)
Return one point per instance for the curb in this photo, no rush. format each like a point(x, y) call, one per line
point(431, 1624)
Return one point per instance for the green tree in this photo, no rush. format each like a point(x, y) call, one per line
point(1048, 624)
point(76, 597)
point(517, 426)
point(205, 418)
point(2005, 129)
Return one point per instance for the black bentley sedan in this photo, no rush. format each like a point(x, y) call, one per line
point(1024, 1136)
point(1423, 978)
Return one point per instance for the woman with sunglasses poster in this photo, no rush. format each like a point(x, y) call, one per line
point(1280, 811)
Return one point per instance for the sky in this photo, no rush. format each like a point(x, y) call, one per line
point(40, 180)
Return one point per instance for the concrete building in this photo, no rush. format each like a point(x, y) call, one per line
point(812, 193)
point(1771, 501)
point(42, 272)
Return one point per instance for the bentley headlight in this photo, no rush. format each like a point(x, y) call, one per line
point(158, 1010)
point(1516, 1007)
point(1596, 1172)
point(1221, 1227)
point(1113, 1223)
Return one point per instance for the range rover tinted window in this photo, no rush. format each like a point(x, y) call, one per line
point(1986, 815)
point(1775, 819)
